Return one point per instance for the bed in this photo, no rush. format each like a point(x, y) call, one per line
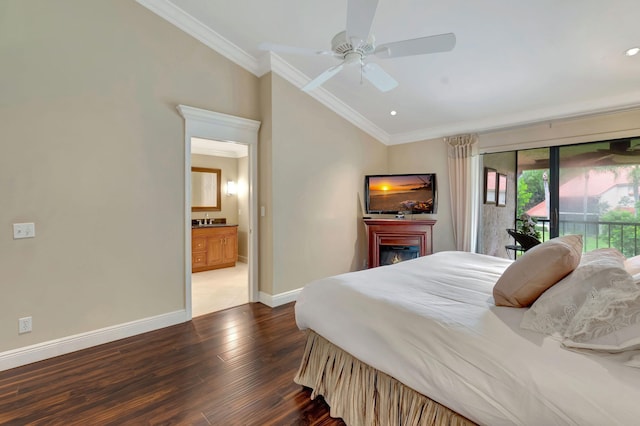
point(422, 342)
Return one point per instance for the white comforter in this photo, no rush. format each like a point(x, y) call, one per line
point(431, 324)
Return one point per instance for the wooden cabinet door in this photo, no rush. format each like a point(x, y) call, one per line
point(215, 249)
point(230, 252)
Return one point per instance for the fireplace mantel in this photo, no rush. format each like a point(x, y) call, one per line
point(400, 235)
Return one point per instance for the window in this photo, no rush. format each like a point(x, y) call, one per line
point(590, 189)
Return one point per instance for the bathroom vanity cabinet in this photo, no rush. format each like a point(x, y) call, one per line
point(214, 247)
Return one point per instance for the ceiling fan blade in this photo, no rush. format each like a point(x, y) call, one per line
point(294, 50)
point(417, 46)
point(360, 15)
point(378, 77)
point(316, 82)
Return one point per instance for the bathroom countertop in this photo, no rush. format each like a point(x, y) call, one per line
point(212, 225)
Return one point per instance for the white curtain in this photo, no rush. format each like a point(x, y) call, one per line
point(463, 187)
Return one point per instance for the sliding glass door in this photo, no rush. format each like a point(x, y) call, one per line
point(598, 194)
point(590, 189)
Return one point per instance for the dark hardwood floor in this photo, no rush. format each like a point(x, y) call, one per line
point(233, 367)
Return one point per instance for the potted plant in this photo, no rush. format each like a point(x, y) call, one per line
point(528, 226)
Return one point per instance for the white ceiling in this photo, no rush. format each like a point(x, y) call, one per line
point(515, 62)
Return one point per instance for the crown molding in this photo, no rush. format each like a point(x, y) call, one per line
point(264, 63)
point(190, 25)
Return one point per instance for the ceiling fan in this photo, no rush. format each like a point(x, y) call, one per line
point(622, 147)
point(356, 43)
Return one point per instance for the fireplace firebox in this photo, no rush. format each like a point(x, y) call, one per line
point(396, 240)
point(395, 254)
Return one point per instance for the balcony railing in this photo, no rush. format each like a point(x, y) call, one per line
point(596, 234)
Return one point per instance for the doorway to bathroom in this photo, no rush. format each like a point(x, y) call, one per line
point(219, 133)
point(224, 285)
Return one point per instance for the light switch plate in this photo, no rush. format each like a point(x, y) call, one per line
point(24, 230)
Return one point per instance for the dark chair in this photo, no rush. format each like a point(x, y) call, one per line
point(523, 242)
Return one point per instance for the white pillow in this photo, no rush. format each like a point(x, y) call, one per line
point(610, 321)
point(552, 312)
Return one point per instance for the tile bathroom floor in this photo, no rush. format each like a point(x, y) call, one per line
point(213, 291)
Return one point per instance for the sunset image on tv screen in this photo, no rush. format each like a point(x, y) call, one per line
point(412, 193)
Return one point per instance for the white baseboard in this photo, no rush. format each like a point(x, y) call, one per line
point(243, 259)
point(279, 299)
point(40, 351)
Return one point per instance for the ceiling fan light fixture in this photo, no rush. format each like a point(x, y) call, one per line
point(393, 112)
point(353, 58)
point(633, 51)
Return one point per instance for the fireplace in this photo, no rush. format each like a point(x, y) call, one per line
point(392, 240)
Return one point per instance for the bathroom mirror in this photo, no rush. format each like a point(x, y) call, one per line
point(205, 189)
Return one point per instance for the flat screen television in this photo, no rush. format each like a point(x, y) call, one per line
point(404, 193)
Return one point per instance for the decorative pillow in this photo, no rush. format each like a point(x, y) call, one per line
point(556, 307)
point(632, 265)
point(536, 270)
point(610, 321)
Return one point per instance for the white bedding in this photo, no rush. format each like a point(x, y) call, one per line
point(431, 324)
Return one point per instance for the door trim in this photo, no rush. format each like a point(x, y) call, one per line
point(225, 128)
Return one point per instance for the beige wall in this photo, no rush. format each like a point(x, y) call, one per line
point(318, 163)
point(429, 156)
point(92, 151)
point(265, 222)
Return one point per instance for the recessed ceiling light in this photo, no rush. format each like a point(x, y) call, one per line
point(633, 51)
point(393, 112)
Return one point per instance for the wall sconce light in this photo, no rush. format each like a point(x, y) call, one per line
point(231, 187)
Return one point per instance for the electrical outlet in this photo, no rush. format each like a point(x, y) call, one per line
point(24, 325)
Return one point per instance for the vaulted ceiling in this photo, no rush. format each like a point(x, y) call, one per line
point(514, 62)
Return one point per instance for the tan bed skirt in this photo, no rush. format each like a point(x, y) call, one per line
point(362, 395)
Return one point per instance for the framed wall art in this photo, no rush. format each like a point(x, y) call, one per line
point(502, 190)
point(490, 182)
